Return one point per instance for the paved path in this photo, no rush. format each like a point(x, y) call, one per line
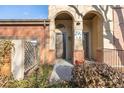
point(61, 71)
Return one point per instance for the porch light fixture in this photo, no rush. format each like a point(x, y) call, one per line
point(78, 23)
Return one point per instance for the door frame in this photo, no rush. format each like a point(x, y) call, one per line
point(89, 44)
point(65, 38)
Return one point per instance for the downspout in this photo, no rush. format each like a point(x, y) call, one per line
point(44, 42)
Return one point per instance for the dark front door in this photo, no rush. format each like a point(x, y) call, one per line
point(86, 44)
point(64, 45)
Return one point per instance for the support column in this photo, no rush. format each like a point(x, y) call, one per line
point(51, 54)
point(78, 43)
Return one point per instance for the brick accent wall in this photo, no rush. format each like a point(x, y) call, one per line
point(29, 31)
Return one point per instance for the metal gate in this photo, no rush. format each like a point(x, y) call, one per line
point(31, 53)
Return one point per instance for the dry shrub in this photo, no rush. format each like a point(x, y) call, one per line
point(96, 75)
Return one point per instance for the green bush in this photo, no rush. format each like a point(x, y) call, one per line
point(44, 74)
point(63, 84)
point(34, 80)
point(26, 83)
point(18, 84)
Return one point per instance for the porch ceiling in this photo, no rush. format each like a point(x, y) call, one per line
point(63, 16)
point(89, 16)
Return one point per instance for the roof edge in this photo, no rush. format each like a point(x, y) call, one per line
point(24, 21)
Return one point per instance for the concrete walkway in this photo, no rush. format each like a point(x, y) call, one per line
point(62, 71)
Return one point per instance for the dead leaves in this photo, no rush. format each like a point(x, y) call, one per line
point(96, 75)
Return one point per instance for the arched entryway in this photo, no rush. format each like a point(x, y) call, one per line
point(93, 36)
point(64, 36)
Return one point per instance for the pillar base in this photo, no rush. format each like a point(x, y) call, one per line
point(78, 57)
point(51, 57)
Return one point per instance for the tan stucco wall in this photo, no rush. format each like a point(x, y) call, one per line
point(56, 10)
point(93, 26)
point(105, 30)
point(94, 37)
point(84, 9)
point(87, 25)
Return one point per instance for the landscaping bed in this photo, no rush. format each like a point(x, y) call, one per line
point(94, 75)
point(87, 75)
point(39, 79)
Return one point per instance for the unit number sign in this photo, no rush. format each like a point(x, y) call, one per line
point(78, 34)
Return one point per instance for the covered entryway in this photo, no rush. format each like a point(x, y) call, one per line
point(93, 37)
point(64, 36)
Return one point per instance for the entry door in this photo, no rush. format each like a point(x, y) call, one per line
point(86, 44)
point(59, 45)
point(64, 45)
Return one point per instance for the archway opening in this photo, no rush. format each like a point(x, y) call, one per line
point(93, 36)
point(64, 36)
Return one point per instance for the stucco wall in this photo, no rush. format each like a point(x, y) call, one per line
point(119, 28)
point(104, 11)
point(117, 52)
point(87, 25)
point(94, 36)
point(56, 10)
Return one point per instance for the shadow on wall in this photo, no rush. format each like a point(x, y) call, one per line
point(112, 38)
point(109, 35)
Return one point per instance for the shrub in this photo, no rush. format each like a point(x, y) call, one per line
point(18, 84)
point(6, 47)
point(43, 75)
point(96, 75)
point(64, 84)
point(34, 80)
